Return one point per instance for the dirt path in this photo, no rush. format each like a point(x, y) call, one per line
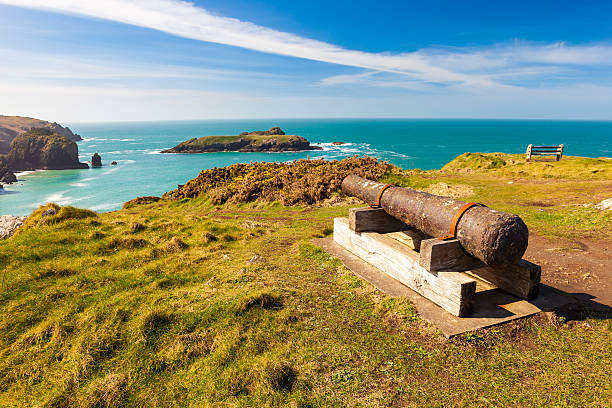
point(583, 268)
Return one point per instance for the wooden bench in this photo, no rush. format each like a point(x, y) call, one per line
point(556, 151)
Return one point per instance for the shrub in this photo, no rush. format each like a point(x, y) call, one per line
point(298, 182)
point(140, 201)
point(52, 214)
point(264, 300)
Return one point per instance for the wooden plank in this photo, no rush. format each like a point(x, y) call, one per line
point(491, 306)
point(438, 255)
point(374, 220)
point(522, 279)
point(453, 291)
point(412, 238)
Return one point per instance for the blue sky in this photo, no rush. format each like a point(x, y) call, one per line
point(116, 60)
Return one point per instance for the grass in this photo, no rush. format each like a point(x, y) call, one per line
point(208, 140)
point(555, 199)
point(230, 304)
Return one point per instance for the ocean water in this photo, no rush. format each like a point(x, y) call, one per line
point(142, 170)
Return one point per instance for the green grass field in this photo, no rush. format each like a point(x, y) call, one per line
point(191, 303)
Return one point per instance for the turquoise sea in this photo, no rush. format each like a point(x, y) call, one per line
point(142, 170)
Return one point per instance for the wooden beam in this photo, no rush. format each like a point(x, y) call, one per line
point(453, 291)
point(369, 219)
point(412, 238)
point(522, 279)
point(438, 255)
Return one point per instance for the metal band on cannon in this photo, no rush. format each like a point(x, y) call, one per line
point(379, 196)
point(456, 218)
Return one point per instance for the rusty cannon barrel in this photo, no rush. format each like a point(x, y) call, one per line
point(496, 238)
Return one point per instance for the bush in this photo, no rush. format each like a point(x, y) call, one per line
point(265, 300)
point(298, 182)
point(52, 214)
point(140, 201)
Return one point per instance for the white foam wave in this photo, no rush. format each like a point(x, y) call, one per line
point(59, 198)
point(79, 184)
point(332, 150)
point(105, 206)
point(89, 178)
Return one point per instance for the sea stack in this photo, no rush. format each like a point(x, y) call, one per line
point(6, 175)
point(96, 160)
point(43, 149)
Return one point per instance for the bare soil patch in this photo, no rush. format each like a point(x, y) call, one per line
point(581, 267)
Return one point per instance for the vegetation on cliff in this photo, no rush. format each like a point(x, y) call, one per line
point(43, 149)
point(191, 302)
point(299, 182)
point(515, 165)
point(273, 140)
point(12, 126)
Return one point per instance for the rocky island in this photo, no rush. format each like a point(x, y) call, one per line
point(273, 140)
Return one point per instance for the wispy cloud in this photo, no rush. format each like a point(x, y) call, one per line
point(517, 63)
point(38, 65)
point(187, 20)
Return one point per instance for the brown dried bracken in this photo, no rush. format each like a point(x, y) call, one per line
point(298, 182)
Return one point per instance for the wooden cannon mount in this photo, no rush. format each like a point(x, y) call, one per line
point(439, 270)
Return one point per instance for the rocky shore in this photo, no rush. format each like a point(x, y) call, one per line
point(9, 224)
point(273, 140)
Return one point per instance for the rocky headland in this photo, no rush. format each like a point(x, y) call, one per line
point(43, 149)
point(13, 126)
point(273, 140)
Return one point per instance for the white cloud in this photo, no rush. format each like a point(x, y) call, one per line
point(37, 65)
point(186, 20)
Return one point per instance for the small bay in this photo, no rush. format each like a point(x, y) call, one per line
point(408, 143)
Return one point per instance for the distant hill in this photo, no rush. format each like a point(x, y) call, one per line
point(12, 126)
point(273, 140)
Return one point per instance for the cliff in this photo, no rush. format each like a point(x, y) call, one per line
point(43, 149)
point(12, 126)
point(273, 140)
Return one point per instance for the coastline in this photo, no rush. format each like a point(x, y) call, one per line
point(413, 144)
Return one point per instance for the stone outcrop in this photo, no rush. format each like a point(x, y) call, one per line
point(13, 126)
point(6, 175)
point(43, 149)
point(273, 140)
point(275, 131)
point(604, 205)
point(96, 160)
point(8, 225)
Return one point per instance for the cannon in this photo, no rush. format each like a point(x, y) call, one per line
point(496, 238)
